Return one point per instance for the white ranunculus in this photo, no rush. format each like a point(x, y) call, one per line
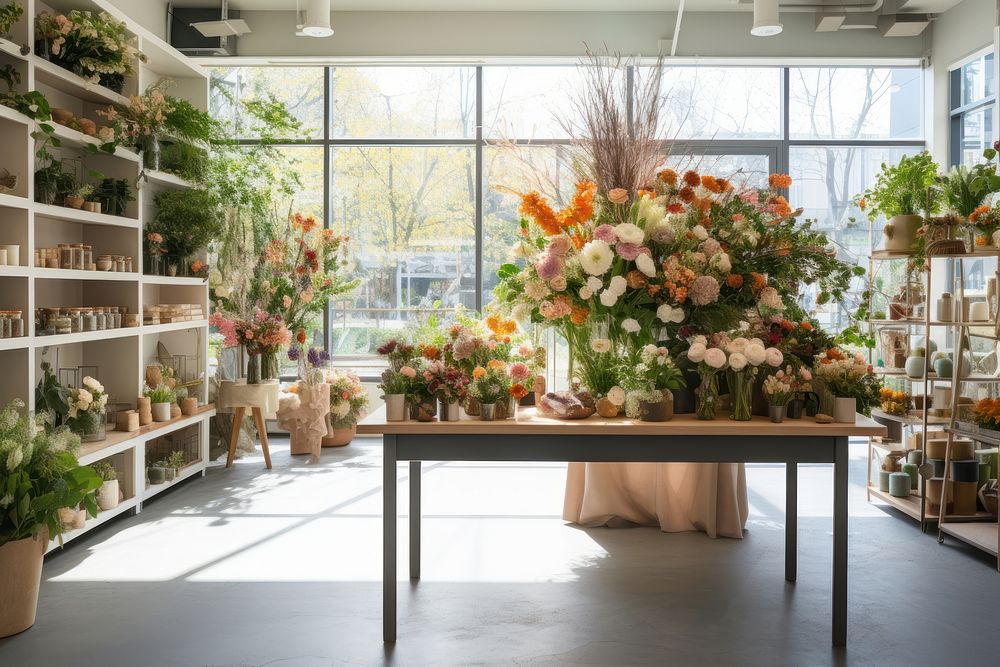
point(737, 361)
point(600, 345)
point(645, 263)
point(596, 257)
point(93, 384)
point(755, 353)
point(757, 341)
point(341, 409)
point(696, 352)
point(586, 292)
point(84, 396)
point(617, 396)
point(774, 357)
point(649, 349)
point(631, 325)
point(650, 211)
point(629, 233)
point(715, 357)
point(722, 262)
point(737, 345)
point(618, 285)
point(594, 284)
point(608, 298)
point(699, 232)
point(667, 313)
point(700, 339)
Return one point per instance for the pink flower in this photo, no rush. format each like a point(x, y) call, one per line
point(249, 334)
point(618, 196)
point(605, 233)
point(627, 251)
point(559, 245)
point(805, 373)
point(519, 370)
point(548, 266)
point(306, 296)
point(408, 372)
point(704, 290)
point(286, 301)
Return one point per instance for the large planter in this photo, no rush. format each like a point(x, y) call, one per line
point(660, 411)
point(338, 437)
point(900, 233)
point(20, 576)
point(107, 495)
point(844, 409)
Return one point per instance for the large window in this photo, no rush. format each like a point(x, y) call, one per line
point(421, 165)
point(973, 99)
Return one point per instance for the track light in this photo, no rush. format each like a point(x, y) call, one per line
point(317, 23)
point(765, 18)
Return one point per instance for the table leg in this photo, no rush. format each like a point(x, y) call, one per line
point(791, 520)
point(258, 418)
point(389, 538)
point(415, 519)
point(840, 542)
point(234, 434)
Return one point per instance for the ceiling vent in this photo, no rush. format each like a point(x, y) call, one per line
point(902, 25)
point(205, 31)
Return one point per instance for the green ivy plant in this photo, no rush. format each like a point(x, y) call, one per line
point(10, 14)
point(188, 220)
point(902, 189)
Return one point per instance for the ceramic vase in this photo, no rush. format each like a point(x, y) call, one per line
point(157, 475)
point(944, 367)
point(107, 495)
point(844, 409)
point(915, 366)
point(657, 411)
point(395, 407)
point(900, 232)
point(161, 412)
point(450, 412)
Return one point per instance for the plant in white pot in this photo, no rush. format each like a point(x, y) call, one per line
point(348, 404)
point(40, 476)
point(161, 397)
point(107, 495)
point(394, 386)
point(900, 194)
point(851, 381)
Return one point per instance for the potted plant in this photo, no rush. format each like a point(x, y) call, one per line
point(915, 363)
point(175, 462)
point(779, 390)
point(900, 195)
point(649, 380)
point(449, 385)
point(40, 476)
point(803, 392)
point(394, 386)
point(348, 404)
point(86, 415)
point(490, 386)
point(107, 495)
point(10, 14)
point(169, 472)
point(423, 405)
point(188, 220)
point(79, 196)
point(114, 195)
point(851, 381)
point(157, 473)
point(160, 397)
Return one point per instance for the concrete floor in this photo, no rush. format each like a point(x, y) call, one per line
point(250, 567)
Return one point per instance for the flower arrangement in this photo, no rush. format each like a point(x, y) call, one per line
point(778, 388)
point(746, 356)
point(848, 376)
point(492, 384)
point(86, 416)
point(394, 383)
point(985, 221)
point(96, 46)
point(398, 353)
point(710, 357)
point(146, 116)
point(894, 402)
point(262, 335)
point(39, 476)
point(986, 413)
point(447, 384)
point(311, 363)
point(348, 399)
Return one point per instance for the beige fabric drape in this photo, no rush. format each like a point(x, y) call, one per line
point(709, 497)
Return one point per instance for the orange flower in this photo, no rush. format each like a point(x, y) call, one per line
point(734, 280)
point(806, 324)
point(495, 365)
point(534, 206)
point(787, 325)
point(646, 192)
point(306, 224)
point(478, 372)
point(301, 336)
point(862, 203)
point(725, 185)
point(668, 176)
point(692, 178)
point(579, 315)
point(493, 323)
point(711, 184)
point(759, 281)
point(781, 207)
point(674, 207)
point(980, 240)
point(582, 207)
point(635, 279)
point(431, 352)
point(294, 389)
point(686, 194)
point(779, 180)
point(518, 392)
point(197, 265)
point(978, 213)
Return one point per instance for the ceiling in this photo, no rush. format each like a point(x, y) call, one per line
point(936, 6)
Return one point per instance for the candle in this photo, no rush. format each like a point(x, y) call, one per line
point(899, 484)
point(979, 312)
point(911, 470)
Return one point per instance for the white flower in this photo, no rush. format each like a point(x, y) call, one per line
point(594, 284)
point(667, 313)
point(745, 326)
point(558, 283)
point(631, 325)
point(650, 211)
point(7, 501)
point(737, 361)
point(757, 341)
point(629, 233)
point(645, 263)
point(600, 345)
point(586, 292)
point(521, 313)
point(608, 298)
point(755, 353)
point(650, 349)
point(696, 352)
point(722, 262)
point(699, 232)
point(617, 396)
point(618, 285)
point(596, 257)
point(536, 290)
point(14, 459)
point(774, 357)
point(84, 396)
point(700, 339)
point(737, 345)
point(715, 357)
point(341, 409)
point(93, 384)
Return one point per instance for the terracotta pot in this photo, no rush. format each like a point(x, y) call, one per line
point(338, 437)
point(660, 411)
point(73, 202)
point(60, 115)
point(20, 577)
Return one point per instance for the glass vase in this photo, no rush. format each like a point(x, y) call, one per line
point(91, 426)
point(740, 395)
point(708, 395)
point(151, 152)
point(269, 369)
point(253, 368)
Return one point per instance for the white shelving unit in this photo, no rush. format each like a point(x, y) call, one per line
point(121, 355)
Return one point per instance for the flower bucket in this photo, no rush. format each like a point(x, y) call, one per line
point(20, 577)
point(395, 407)
point(844, 409)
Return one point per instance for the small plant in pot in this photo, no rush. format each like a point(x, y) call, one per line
point(851, 381)
point(900, 194)
point(649, 380)
point(169, 472)
point(394, 386)
point(779, 389)
point(107, 495)
point(348, 403)
point(175, 462)
point(157, 473)
point(490, 386)
point(449, 385)
point(161, 397)
point(79, 196)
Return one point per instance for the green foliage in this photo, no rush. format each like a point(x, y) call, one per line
point(902, 189)
point(184, 160)
point(10, 14)
point(175, 460)
point(105, 470)
point(965, 189)
point(188, 220)
point(185, 121)
point(114, 195)
point(40, 475)
point(161, 393)
point(50, 397)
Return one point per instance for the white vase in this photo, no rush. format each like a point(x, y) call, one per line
point(395, 407)
point(900, 233)
point(844, 409)
point(107, 495)
point(161, 412)
point(450, 412)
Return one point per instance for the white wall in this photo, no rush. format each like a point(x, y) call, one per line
point(958, 33)
point(151, 14)
point(726, 34)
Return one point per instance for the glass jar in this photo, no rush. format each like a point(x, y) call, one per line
point(102, 321)
point(4, 324)
point(89, 319)
point(65, 256)
point(16, 323)
point(88, 257)
point(61, 324)
point(120, 263)
point(77, 254)
point(129, 265)
point(90, 425)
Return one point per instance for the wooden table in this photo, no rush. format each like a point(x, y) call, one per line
point(684, 439)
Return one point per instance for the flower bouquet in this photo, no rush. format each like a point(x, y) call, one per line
point(711, 360)
point(262, 335)
point(986, 414)
point(746, 356)
point(311, 365)
point(491, 387)
point(851, 381)
point(348, 404)
point(394, 385)
point(779, 389)
point(398, 353)
point(96, 47)
point(449, 385)
point(649, 380)
point(86, 416)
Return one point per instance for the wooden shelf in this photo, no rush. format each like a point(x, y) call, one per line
point(102, 517)
point(188, 471)
point(165, 179)
point(980, 535)
point(85, 217)
point(909, 505)
point(891, 254)
point(62, 79)
point(75, 274)
point(174, 326)
point(119, 441)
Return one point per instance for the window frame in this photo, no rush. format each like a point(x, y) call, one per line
point(958, 110)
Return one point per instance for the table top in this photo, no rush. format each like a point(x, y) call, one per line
point(529, 422)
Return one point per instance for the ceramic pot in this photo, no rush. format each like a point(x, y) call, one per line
point(659, 411)
point(915, 366)
point(943, 367)
point(20, 576)
point(844, 409)
point(189, 406)
point(395, 407)
point(107, 495)
point(73, 202)
point(451, 412)
point(776, 413)
point(161, 412)
point(338, 437)
point(145, 411)
point(487, 411)
point(157, 475)
point(900, 233)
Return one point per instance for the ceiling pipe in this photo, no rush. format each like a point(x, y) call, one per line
point(831, 9)
point(677, 29)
